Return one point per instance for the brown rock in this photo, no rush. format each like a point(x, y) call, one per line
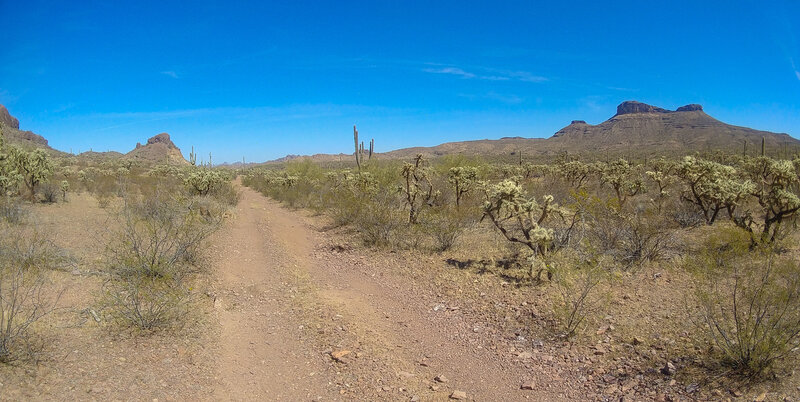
point(339, 355)
point(527, 385)
point(458, 395)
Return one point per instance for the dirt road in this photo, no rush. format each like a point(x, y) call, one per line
point(302, 320)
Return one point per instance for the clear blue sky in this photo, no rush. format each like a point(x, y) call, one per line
point(266, 79)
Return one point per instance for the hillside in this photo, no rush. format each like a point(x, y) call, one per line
point(636, 128)
point(13, 135)
point(158, 149)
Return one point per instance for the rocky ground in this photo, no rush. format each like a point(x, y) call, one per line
point(292, 310)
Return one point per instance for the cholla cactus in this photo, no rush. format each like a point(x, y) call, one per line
point(417, 188)
point(775, 186)
point(622, 178)
point(662, 174)
point(712, 187)
point(64, 189)
point(203, 181)
point(520, 219)
point(9, 178)
point(32, 167)
point(576, 173)
point(463, 179)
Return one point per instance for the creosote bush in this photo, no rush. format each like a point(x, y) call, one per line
point(749, 301)
point(153, 250)
point(25, 257)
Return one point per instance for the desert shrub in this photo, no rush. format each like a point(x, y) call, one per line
point(23, 300)
point(148, 303)
point(154, 246)
point(749, 301)
point(50, 192)
point(11, 210)
point(446, 224)
point(153, 236)
point(576, 280)
point(381, 223)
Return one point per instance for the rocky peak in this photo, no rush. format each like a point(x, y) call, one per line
point(578, 122)
point(7, 119)
point(162, 138)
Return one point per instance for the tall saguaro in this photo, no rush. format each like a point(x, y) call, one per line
point(355, 138)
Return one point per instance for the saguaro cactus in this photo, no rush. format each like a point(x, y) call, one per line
point(355, 139)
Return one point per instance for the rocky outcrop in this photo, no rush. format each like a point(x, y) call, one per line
point(159, 149)
point(7, 119)
point(631, 107)
point(690, 108)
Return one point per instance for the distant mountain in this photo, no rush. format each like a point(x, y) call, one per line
point(159, 149)
point(638, 125)
point(637, 128)
point(14, 136)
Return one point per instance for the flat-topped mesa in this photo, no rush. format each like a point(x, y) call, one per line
point(632, 107)
point(578, 122)
point(690, 108)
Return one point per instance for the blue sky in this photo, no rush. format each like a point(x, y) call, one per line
point(266, 79)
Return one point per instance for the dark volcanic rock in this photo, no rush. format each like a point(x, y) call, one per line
point(7, 119)
point(630, 107)
point(578, 122)
point(690, 108)
point(161, 138)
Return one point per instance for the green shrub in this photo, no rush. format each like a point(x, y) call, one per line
point(749, 301)
point(24, 258)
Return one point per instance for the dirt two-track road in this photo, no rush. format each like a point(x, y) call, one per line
point(304, 319)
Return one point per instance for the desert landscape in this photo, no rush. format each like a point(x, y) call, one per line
point(399, 201)
point(458, 273)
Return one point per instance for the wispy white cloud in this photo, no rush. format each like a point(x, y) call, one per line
point(450, 70)
point(797, 73)
point(488, 74)
point(171, 74)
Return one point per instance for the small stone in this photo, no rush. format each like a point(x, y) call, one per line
point(761, 397)
point(440, 378)
point(525, 355)
point(458, 395)
point(339, 355)
point(668, 369)
point(636, 341)
point(528, 385)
